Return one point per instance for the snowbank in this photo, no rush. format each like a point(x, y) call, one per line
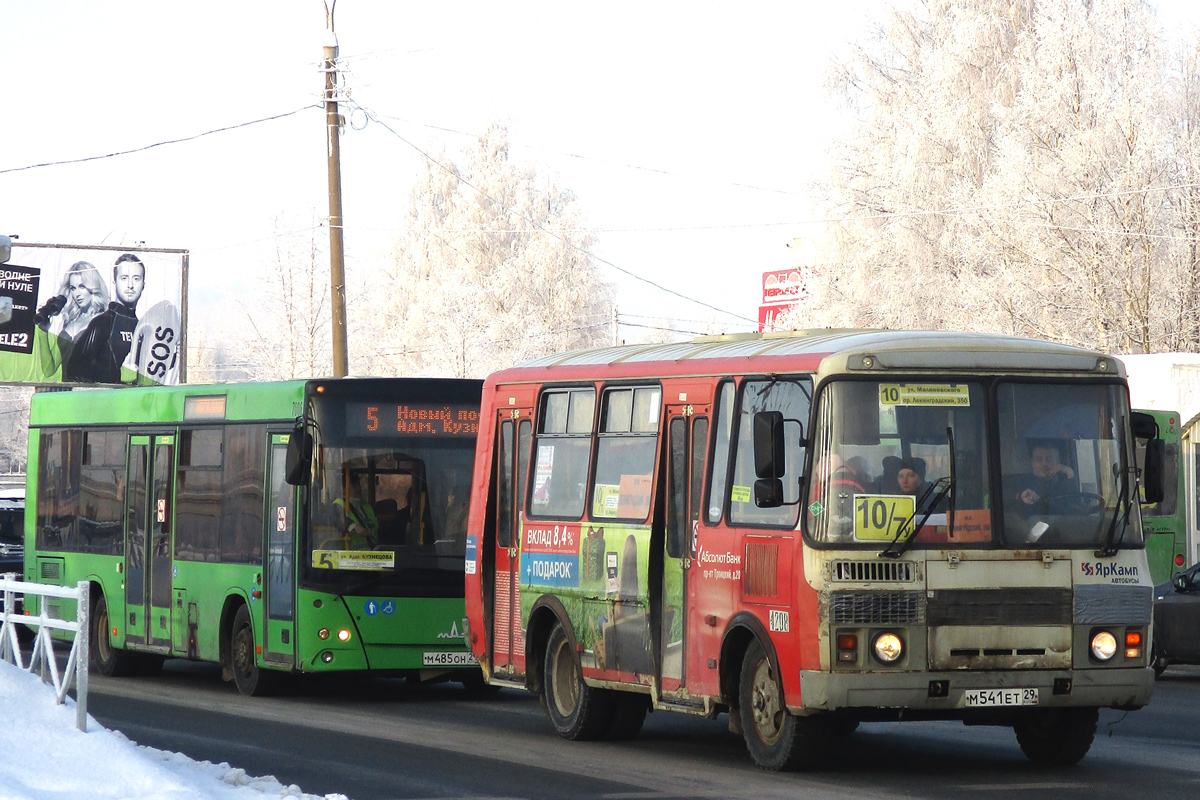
point(43, 757)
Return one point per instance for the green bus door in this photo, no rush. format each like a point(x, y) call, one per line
point(148, 513)
point(281, 564)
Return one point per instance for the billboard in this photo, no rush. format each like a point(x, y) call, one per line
point(93, 315)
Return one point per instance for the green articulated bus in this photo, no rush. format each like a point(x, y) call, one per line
point(1165, 522)
point(297, 527)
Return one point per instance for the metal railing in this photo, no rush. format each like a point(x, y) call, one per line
point(41, 659)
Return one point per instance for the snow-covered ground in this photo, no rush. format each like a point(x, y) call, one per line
point(44, 757)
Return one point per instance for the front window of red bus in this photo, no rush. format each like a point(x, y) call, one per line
point(387, 503)
point(894, 457)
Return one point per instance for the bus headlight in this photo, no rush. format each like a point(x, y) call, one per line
point(323, 633)
point(344, 635)
point(1104, 645)
point(888, 648)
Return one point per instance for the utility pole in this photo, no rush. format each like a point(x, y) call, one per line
point(337, 259)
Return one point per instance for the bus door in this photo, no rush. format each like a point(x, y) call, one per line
point(687, 444)
point(514, 433)
point(280, 578)
point(150, 482)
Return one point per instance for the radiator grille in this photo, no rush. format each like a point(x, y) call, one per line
point(50, 571)
point(876, 571)
point(1030, 606)
point(762, 570)
point(877, 608)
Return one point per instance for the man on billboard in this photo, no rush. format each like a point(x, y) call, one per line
point(102, 348)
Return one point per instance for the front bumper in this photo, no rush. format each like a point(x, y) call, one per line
point(875, 691)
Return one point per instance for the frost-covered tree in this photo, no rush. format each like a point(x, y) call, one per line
point(14, 427)
point(289, 334)
point(1008, 173)
point(492, 269)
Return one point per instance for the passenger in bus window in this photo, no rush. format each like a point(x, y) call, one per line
point(903, 476)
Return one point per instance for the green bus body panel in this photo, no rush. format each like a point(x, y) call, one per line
point(201, 591)
point(150, 405)
point(1166, 536)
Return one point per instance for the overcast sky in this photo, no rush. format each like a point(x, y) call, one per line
point(690, 132)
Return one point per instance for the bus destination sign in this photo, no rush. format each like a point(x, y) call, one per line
point(411, 419)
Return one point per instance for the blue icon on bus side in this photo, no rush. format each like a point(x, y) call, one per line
point(371, 607)
point(389, 607)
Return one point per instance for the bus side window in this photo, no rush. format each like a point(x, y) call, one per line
point(720, 464)
point(627, 443)
point(563, 453)
point(504, 483)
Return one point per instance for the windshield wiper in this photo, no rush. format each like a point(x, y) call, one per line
point(898, 545)
point(947, 487)
point(1111, 540)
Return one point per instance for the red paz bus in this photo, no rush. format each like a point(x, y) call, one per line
point(813, 529)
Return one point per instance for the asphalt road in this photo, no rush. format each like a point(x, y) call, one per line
point(385, 739)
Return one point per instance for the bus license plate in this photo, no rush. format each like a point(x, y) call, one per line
point(990, 698)
point(450, 660)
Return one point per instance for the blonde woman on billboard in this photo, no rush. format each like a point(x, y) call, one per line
point(81, 297)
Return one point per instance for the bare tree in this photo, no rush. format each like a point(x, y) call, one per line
point(493, 268)
point(288, 316)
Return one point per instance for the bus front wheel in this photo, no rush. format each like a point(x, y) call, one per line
point(107, 660)
point(576, 710)
point(250, 679)
point(1057, 736)
point(776, 739)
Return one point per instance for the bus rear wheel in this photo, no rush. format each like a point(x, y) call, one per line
point(629, 714)
point(777, 740)
point(1057, 736)
point(112, 662)
point(577, 711)
point(250, 679)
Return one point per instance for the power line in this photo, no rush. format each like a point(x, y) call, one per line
point(157, 144)
point(593, 159)
point(661, 328)
point(540, 227)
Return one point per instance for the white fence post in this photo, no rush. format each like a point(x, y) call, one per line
point(83, 616)
point(42, 658)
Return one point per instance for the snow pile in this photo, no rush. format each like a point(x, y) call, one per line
point(44, 757)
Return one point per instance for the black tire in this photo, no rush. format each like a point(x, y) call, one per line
point(250, 679)
point(577, 711)
point(1057, 736)
point(1157, 661)
point(112, 662)
point(842, 726)
point(149, 664)
point(776, 740)
point(629, 714)
point(473, 682)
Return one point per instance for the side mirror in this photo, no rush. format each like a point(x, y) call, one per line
point(298, 465)
point(1152, 471)
point(1143, 425)
point(1182, 582)
point(768, 493)
point(769, 462)
point(768, 444)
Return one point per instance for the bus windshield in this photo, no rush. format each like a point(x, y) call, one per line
point(1066, 460)
point(389, 493)
point(894, 457)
